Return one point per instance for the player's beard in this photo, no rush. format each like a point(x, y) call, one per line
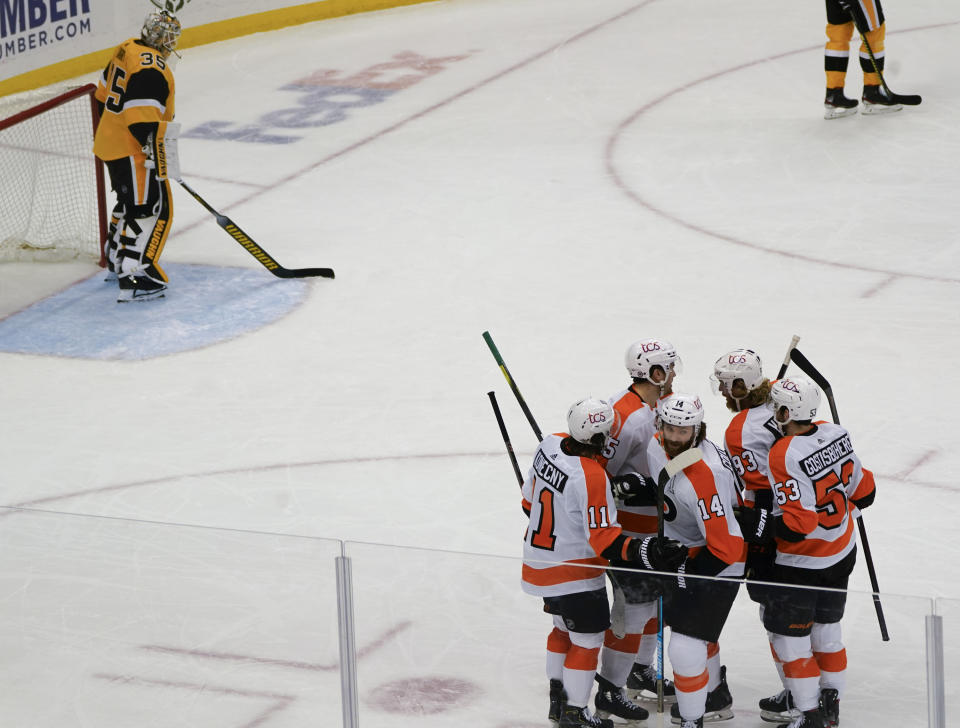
point(673, 448)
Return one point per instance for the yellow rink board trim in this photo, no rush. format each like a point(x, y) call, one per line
point(202, 34)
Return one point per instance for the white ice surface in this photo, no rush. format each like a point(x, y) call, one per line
point(586, 174)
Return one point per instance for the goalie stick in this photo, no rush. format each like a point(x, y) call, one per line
point(905, 99)
point(265, 259)
point(811, 371)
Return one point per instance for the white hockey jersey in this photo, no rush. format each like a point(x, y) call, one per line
point(573, 519)
point(626, 452)
point(698, 506)
point(814, 477)
point(748, 439)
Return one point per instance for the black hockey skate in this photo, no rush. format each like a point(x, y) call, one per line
point(830, 707)
point(574, 717)
point(610, 700)
point(139, 288)
point(558, 698)
point(778, 708)
point(836, 105)
point(809, 719)
point(719, 704)
point(698, 723)
point(878, 100)
point(642, 684)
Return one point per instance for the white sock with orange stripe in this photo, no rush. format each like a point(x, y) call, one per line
point(800, 670)
point(558, 644)
point(713, 665)
point(688, 656)
point(647, 652)
point(830, 654)
point(618, 656)
point(580, 666)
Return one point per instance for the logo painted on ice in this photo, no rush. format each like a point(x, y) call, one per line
point(328, 96)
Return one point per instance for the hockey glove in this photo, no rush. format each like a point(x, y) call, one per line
point(657, 554)
point(756, 524)
point(634, 489)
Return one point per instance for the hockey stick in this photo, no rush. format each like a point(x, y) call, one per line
point(618, 612)
point(266, 260)
point(673, 466)
point(506, 437)
point(786, 360)
point(807, 368)
point(513, 385)
point(906, 100)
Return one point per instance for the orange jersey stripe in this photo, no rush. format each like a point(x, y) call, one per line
point(817, 547)
point(865, 487)
point(598, 487)
point(637, 522)
point(795, 516)
point(726, 546)
point(563, 573)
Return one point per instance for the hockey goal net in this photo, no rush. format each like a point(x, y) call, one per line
point(52, 191)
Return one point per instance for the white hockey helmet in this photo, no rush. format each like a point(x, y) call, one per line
point(644, 355)
point(799, 395)
point(680, 410)
point(589, 418)
point(161, 30)
point(737, 364)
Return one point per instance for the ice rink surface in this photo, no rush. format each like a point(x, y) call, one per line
point(571, 176)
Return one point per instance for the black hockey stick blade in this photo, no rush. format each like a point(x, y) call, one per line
point(811, 371)
point(265, 259)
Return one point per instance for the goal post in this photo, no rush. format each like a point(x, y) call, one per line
point(52, 188)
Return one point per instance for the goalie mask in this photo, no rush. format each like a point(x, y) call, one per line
point(799, 395)
point(161, 30)
point(644, 355)
point(590, 420)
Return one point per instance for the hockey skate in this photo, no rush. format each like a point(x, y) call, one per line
point(139, 288)
point(876, 100)
point(558, 698)
point(573, 717)
point(642, 684)
point(698, 723)
point(719, 704)
point(830, 707)
point(808, 719)
point(836, 105)
point(611, 701)
point(778, 708)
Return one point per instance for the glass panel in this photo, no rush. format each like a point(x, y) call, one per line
point(949, 609)
point(110, 623)
point(453, 636)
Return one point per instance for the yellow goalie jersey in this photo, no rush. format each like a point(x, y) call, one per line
point(136, 87)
